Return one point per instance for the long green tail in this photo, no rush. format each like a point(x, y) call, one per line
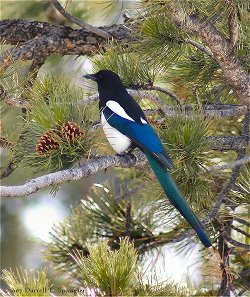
point(177, 199)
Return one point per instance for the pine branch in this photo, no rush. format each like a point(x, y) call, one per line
point(227, 143)
point(78, 21)
point(210, 110)
point(235, 172)
point(33, 185)
point(213, 213)
point(29, 50)
point(219, 45)
point(38, 39)
point(103, 162)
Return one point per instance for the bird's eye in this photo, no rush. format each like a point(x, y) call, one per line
point(100, 76)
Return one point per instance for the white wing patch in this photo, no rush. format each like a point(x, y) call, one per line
point(117, 140)
point(143, 121)
point(116, 108)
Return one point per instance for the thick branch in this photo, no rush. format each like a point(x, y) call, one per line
point(40, 38)
point(227, 143)
point(19, 31)
point(91, 168)
point(84, 171)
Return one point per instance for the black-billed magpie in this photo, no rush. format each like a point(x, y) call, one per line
point(126, 126)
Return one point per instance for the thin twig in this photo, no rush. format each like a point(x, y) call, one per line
point(165, 91)
point(78, 21)
point(8, 170)
point(237, 243)
point(201, 47)
point(228, 165)
point(241, 221)
point(241, 231)
point(36, 65)
point(224, 251)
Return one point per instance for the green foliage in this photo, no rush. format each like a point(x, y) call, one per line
point(112, 272)
point(162, 42)
point(197, 68)
point(27, 282)
point(185, 136)
point(10, 79)
point(67, 236)
point(109, 218)
point(112, 9)
point(197, 72)
point(162, 289)
point(241, 193)
point(133, 70)
point(24, 9)
point(55, 102)
point(100, 217)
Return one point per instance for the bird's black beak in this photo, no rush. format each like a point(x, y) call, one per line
point(90, 76)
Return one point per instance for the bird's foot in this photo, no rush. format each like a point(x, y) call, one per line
point(121, 154)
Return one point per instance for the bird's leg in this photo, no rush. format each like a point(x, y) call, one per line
point(131, 148)
point(128, 151)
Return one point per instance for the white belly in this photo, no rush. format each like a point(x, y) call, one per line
point(117, 140)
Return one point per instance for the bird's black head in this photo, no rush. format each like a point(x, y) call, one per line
point(109, 84)
point(110, 88)
point(104, 76)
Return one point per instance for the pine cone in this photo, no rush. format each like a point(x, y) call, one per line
point(47, 143)
point(71, 131)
